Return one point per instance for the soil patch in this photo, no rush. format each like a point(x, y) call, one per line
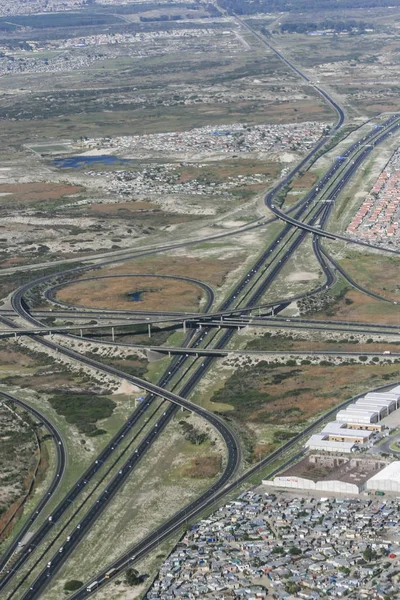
point(201, 467)
point(32, 193)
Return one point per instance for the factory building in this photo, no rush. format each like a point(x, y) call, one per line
point(395, 397)
point(390, 404)
point(381, 410)
point(387, 480)
point(338, 432)
point(354, 415)
point(322, 442)
point(330, 474)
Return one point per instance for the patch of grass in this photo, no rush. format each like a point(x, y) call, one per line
point(83, 410)
point(72, 585)
point(202, 467)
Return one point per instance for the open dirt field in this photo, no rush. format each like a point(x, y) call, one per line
point(118, 209)
point(26, 194)
point(355, 306)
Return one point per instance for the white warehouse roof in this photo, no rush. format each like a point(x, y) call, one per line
point(355, 408)
point(336, 428)
point(386, 480)
point(316, 442)
point(357, 416)
point(386, 395)
point(381, 410)
point(377, 401)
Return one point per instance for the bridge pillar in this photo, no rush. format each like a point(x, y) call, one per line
point(149, 329)
point(184, 326)
point(81, 332)
point(273, 311)
point(113, 334)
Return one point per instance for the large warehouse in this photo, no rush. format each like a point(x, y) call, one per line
point(379, 403)
point(387, 480)
point(385, 396)
point(332, 474)
point(359, 415)
point(321, 442)
point(338, 432)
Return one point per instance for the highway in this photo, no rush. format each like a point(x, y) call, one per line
point(59, 470)
point(244, 298)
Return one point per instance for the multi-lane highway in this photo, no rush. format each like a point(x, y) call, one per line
point(186, 369)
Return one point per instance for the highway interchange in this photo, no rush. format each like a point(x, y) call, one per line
point(26, 569)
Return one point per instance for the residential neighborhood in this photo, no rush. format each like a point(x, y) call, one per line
point(377, 220)
point(284, 546)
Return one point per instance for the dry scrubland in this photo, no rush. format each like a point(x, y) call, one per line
point(21, 459)
point(360, 69)
point(377, 273)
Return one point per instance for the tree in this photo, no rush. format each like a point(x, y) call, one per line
point(132, 577)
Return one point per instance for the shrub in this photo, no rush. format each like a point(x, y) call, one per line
point(73, 585)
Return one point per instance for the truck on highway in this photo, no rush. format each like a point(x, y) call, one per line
point(91, 587)
point(110, 573)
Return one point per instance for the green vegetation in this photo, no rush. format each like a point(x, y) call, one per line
point(72, 585)
point(331, 24)
point(83, 410)
point(246, 391)
point(193, 435)
point(133, 578)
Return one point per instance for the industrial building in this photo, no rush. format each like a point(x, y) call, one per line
point(320, 442)
point(387, 480)
point(381, 410)
point(392, 395)
point(359, 415)
point(339, 432)
point(334, 474)
point(379, 403)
